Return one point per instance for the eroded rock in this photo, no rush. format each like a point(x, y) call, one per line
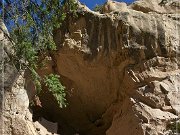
point(120, 69)
point(16, 118)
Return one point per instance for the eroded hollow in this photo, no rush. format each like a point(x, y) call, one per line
point(92, 90)
point(88, 111)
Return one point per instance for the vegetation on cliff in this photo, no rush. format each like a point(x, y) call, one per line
point(31, 24)
point(98, 8)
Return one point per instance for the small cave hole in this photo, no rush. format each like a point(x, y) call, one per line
point(99, 123)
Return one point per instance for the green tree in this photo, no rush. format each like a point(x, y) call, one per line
point(31, 24)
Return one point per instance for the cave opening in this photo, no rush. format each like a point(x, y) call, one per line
point(64, 123)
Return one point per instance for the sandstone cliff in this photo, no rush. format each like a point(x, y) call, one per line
point(120, 69)
point(16, 118)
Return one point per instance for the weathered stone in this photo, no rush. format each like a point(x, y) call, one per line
point(16, 118)
point(120, 69)
point(128, 73)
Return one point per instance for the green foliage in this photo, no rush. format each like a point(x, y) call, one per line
point(175, 127)
point(37, 80)
point(31, 24)
point(57, 89)
point(98, 8)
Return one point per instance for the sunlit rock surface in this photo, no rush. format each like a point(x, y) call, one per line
point(120, 69)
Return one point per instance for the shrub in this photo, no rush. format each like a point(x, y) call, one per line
point(98, 8)
point(57, 89)
point(174, 126)
point(31, 24)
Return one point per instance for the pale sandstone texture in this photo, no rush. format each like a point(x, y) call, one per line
point(120, 69)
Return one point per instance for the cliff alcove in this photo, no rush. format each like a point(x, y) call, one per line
point(120, 69)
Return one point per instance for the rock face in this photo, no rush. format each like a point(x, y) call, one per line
point(159, 6)
point(120, 69)
point(16, 118)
